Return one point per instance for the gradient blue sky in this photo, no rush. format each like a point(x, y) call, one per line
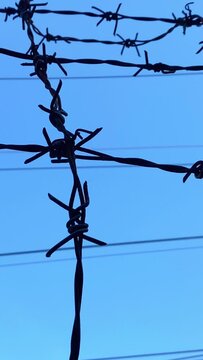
point(134, 302)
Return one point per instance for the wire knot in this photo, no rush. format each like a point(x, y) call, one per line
point(77, 229)
point(128, 43)
point(56, 113)
point(199, 171)
point(188, 20)
point(25, 11)
point(9, 11)
point(196, 169)
point(109, 16)
point(160, 67)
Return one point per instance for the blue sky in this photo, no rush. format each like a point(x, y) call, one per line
point(137, 299)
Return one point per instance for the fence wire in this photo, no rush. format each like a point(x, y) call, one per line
point(70, 146)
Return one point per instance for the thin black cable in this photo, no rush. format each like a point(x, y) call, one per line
point(148, 355)
point(189, 357)
point(126, 148)
point(102, 77)
point(89, 257)
point(45, 168)
point(118, 244)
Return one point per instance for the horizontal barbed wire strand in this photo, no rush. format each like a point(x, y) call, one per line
point(126, 148)
point(109, 15)
point(156, 67)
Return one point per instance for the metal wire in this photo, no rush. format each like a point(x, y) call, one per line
point(70, 146)
point(116, 244)
point(89, 257)
point(138, 356)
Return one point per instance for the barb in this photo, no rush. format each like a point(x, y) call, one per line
point(127, 43)
point(201, 42)
point(109, 16)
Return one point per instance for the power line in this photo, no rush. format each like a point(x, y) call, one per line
point(35, 168)
point(125, 148)
point(149, 355)
point(189, 357)
point(117, 244)
point(89, 257)
point(102, 77)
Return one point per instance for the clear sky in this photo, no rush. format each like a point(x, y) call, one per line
point(137, 299)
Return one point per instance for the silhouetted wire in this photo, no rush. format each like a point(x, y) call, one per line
point(102, 77)
point(126, 148)
point(60, 150)
point(125, 43)
point(89, 257)
point(148, 355)
point(45, 168)
point(187, 20)
point(189, 357)
point(118, 244)
point(156, 67)
point(63, 150)
point(76, 225)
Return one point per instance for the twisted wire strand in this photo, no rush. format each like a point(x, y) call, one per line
point(26, 11)
point(156, 67)
point(59, 152)
point(125, 43)
point(188, 19)
point(76, 225)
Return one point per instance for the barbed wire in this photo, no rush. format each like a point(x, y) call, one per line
point(65, 149)
point(59, 153)
point(40, 61)
point(26, 11)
